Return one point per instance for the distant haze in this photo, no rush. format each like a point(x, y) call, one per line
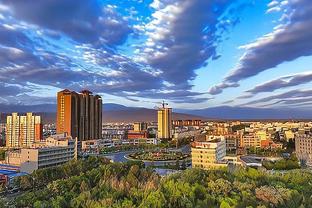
point(119, 113)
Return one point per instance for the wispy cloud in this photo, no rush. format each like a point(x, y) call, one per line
point(280, 83)
point(287, 42)
point(292, 94)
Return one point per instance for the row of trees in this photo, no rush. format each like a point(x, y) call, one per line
point(131, 185)
point(2, 154)
point(41, 177)
point(283, 164)
point(268, 152)
point(142, 146)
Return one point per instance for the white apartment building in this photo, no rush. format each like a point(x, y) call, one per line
point(210, 153)
point(56, 150)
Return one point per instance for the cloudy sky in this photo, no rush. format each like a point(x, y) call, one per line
point(191, 53)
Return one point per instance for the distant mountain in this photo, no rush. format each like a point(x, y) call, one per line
point(227, 112)
point(48, 108)
point(141, 114)
point(118, 113)
point(113, 107)
point(111, 113)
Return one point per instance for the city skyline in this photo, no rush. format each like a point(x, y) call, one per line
point(191, 53)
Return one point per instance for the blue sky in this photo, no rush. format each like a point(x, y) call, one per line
point(191, 53)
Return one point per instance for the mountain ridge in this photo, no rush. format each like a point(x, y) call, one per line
point(113, 112)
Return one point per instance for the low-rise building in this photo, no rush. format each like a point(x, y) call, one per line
point(186, 122)
point(8, 173)
point(250, 140)
point(209, 154)
point(140, 126)
point(56, 150)
point(231, 141)
point(93, 145)
point(289, 135)
point(136, 134)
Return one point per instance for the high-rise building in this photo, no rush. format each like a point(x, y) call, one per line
point(23, 131)
point(303, 144)
point(164, 115)
point(2, 134)
point(79, 114)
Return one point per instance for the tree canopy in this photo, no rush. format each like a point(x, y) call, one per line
point(133, 185)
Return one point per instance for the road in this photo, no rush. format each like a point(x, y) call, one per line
point(120, 157)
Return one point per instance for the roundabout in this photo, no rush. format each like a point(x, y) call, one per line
point(158, 156)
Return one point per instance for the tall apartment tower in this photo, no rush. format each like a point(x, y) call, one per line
point(79, 114)
point(23, 131)
point(164, 117)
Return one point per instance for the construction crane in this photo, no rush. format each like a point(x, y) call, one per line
point(163, 105)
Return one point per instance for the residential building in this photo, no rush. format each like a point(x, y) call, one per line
point(289, 135)
point(265, 139)
point(209, 154)
point(231, 141)
point(2, 134)
point(23, 131)
point(139, 126)
point(303, 145)
point(164, 122)
point(79, 114)
point(187, 123)
point(250, 140)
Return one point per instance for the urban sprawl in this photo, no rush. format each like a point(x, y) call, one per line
point(169, 145)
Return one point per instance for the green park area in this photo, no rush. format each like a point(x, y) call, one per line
point(94, 183)
point(160, 155)
point(283, 164)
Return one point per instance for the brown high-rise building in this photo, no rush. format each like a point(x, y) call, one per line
point(79, 114)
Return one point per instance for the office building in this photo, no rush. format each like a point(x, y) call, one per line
point(23, 131)
point(79, 114)
point(209, 154)
point(303, 145)
point(56, 150)
point(164, 116)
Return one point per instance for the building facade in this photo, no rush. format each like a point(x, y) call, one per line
point(186, 123)
point(136, 134)
point(140, 126)
point(250, 140)
point(209, 154)
point(2, 134)
point(164, 117)
point(303, 145)
point(56, 150)
point(23, 131)
point(79, 114)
